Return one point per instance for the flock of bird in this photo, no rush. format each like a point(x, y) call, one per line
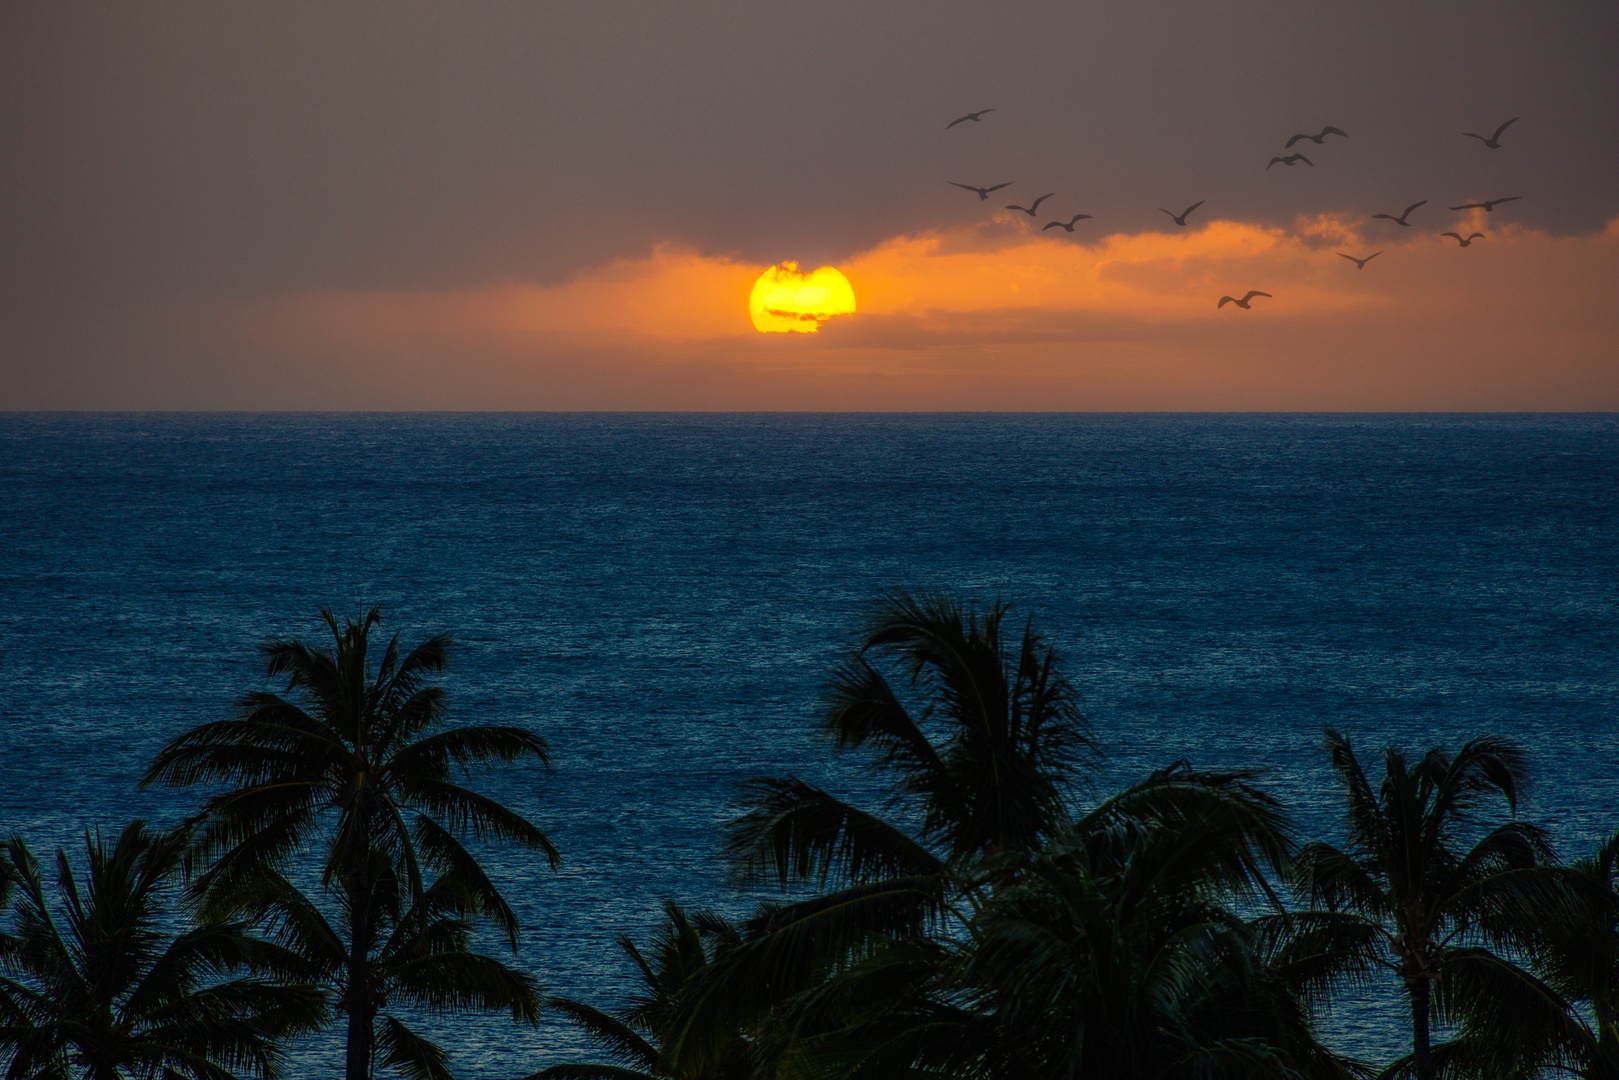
point(1493, 142)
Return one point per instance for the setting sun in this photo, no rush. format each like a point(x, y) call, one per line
point(784, 299)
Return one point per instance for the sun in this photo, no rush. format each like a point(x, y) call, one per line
point(785, 300)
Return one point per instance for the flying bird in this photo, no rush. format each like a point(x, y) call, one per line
point(1488, 205)
point(973, 116)
point(1069, 224)
point(1317, 139)
point(1032, 207)
point(1464, 241)
point(1290, 161)
point(1243, 303)
point(983, 192)
point(1360, 264)
point(1494, 141)
point(1180, 218)
point(1401, 219)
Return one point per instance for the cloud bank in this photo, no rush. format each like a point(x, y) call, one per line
point(992, 315)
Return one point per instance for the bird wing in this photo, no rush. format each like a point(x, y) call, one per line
point(1051, 225)
point(1082, 217)
point(1503, 127)
point(1478, 236)
point(1413, 206)
point(1456, 235)
point(1194, 206)
point(1293, 140)
point(1372, 256)
point(1036, 204)
point(1351, 258)
point(964, 187)
point(1334, 131)
point(1306, 160)
point(1224, 300)
point(1025, 209)
point(1475, 135)
point(998, 187)
point(958, 120)
point(1471, 206)
point(1255, 292)
point(1391, 217)
point(1498, 202)
point(981, 112)
point(1273, 161)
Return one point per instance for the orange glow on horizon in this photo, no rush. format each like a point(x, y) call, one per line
point(785, 300)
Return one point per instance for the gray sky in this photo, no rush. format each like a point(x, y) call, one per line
point(170, 153)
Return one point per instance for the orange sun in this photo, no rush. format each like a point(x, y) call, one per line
point(785, 300)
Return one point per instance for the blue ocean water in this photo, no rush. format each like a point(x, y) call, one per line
point(660, 596)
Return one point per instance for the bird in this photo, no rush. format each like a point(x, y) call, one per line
point(1360, 264)
point(1318, 139)
point(983, 192)
point(1032, 207)
point(1488, 205)
point(1401, 219)
point(1069, 224)
point(1243, 303)
point(1180, 218)
point(1464, 241)
point(973, 116)
point(1290, 161)
point(1494, 141)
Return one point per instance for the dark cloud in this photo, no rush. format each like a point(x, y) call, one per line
point(170, 152)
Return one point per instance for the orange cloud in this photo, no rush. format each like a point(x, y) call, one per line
point(1002, 316)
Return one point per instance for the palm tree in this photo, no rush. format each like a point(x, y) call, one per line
point(982, 761)
point(683, 947)
point(893, 967)
point(421, 958)
point(350, 758)
point(1404, 897)
point(100, 986)
point(1571, 1019)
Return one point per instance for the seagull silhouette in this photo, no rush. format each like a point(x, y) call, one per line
point(1401, 219)
point(1360, 264)
point(1032, 207)
point(1488, 205)
point(1069, 224)
point(1494, 141)
point(983, 192)
point(1180, 218)
point(1243, 303)
point(1290, 161)
point(973, 116)
point(1464, 241)
point(1317, 139)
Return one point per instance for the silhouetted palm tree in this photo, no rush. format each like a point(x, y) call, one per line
point(632, 1036)
point(420, 958)
point(891, 969)
point(980, 762)
point(101, 985)
point(1114, 950)
point(351, 760)
point(1405, 896)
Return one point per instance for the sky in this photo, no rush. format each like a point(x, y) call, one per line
point(546, 205)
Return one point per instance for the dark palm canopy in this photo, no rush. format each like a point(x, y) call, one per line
point(99, 986)
point(988, 932)
point(355, 763)
point(1409, 896)
point(632, 1036)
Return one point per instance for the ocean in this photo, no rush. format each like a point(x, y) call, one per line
point(661, 597)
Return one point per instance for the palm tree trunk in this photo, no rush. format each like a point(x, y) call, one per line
point(358, 1057)
point(1419, 1028)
